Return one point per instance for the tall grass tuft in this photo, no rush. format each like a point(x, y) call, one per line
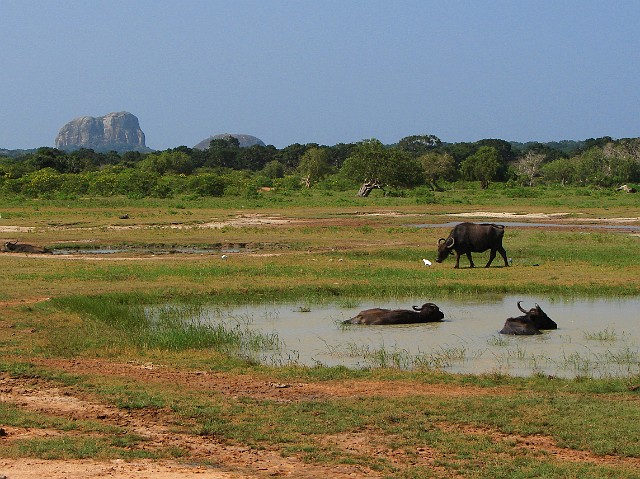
point(168, 328)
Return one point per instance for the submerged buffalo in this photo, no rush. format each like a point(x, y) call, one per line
point(15, 247)
point(427, 313)
point(467, 238)
point(531, 323)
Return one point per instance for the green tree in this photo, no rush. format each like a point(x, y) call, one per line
point(562, 170)
point(313, 166)
point(377, 167)
point(223, 152)
point(290, 155)
point(437, 166)
point(272, 170)
point(483, 166)
point(419, 144)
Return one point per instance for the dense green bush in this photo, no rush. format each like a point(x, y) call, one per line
point(404, 169)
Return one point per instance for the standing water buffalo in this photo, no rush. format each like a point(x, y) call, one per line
point(531, 323)
point(427, 313)
point(15, 247)
point(467, 238)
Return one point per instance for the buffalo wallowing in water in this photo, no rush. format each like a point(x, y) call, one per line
point(531, 323)
point(427, 313)
point(467, 238)
point(15, 247)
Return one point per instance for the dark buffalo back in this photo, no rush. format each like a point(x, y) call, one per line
point(428, 313)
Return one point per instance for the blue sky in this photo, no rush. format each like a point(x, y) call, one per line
point(322, 71)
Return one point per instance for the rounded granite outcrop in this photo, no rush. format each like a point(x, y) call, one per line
point(245, 141)
point(115, 131)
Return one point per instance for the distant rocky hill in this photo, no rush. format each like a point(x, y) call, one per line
point(245, 140)
point(115, 131)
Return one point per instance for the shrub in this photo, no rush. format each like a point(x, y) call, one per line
point(207, 184)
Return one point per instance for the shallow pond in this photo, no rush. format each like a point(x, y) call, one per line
point(595, 338)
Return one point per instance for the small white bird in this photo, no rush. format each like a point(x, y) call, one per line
point(224, 256)
point(426, 262)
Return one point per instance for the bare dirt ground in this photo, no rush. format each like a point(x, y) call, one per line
point(227, 460)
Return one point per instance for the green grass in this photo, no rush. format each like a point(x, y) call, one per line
point(100, 309)
point(123, 321)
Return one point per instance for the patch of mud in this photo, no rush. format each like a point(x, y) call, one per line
point(237, 222)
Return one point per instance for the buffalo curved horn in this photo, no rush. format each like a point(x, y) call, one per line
point(415, 308)
point(520, 308)
point(452, 241)
point(441, 240)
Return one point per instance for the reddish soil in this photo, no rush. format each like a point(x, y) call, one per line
point(230, 461)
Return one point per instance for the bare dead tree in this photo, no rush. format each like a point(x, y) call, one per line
point(529, 165)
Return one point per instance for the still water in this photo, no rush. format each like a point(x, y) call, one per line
point(595, 338)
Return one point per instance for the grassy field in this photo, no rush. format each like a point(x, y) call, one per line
point(90, 340)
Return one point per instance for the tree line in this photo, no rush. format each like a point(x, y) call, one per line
point(227, 169)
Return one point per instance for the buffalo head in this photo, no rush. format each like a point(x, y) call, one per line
point(9, 246)
point(429, 310)
point(538, 317)
point(531, 323)
point(445, 248)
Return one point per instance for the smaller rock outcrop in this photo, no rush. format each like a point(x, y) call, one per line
point(115, 131)
point(245, 141)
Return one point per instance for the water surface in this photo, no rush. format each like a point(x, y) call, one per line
point(595, 338)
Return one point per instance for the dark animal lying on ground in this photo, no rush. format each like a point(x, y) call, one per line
point(531, 323)
point(467, 238)
point(15, 247)
point(427, 313)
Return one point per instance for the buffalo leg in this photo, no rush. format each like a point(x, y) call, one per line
point(457, 260)
point(471, 265)
point(503, 253)
point(491, 257)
